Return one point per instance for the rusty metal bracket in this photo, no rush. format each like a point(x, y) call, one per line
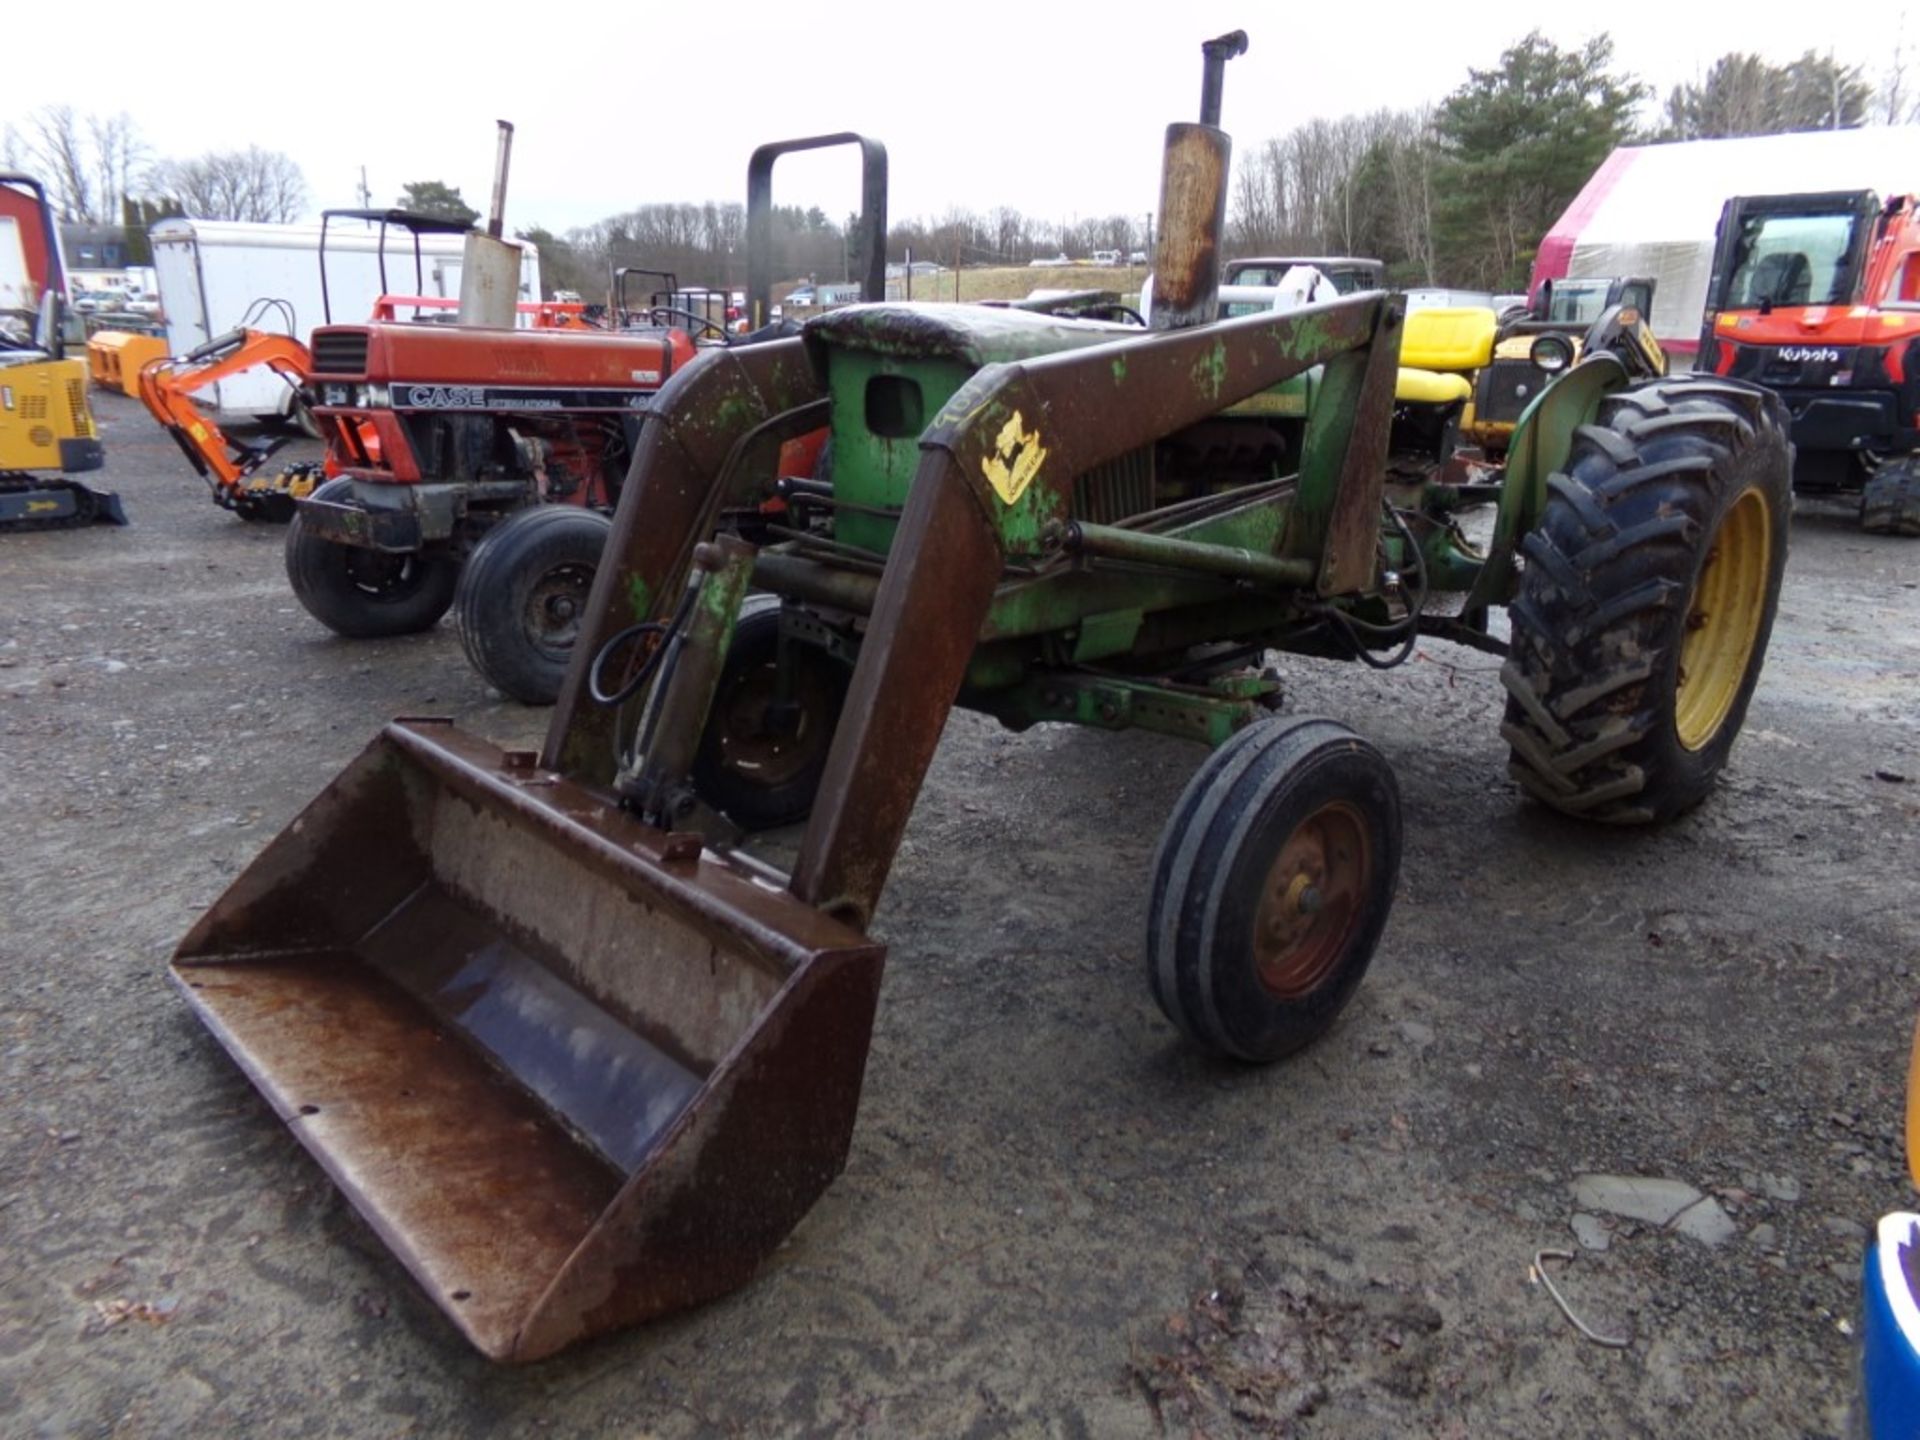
point(687, 466)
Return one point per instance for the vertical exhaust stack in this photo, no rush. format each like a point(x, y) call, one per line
point(490, 268)
point(1193, 202)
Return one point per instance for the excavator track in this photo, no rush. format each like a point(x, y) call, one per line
point(33, 502)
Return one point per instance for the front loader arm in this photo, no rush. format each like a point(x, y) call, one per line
point(710, 440)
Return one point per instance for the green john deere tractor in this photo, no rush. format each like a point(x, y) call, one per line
point(542, 997)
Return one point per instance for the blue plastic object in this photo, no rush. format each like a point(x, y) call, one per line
point(1890, 1330)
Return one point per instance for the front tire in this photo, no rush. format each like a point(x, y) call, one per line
point(1649, 594)
point(1271, 885)
point(775, 710)
point(1890, 498)
point(366, 594)
point(523, 595)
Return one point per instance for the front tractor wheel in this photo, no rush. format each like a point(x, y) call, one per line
point(1271, 886)
point(1890, 498)
point(1649, 594)
point(775, 710)
point(366, 594)
point(523, 597)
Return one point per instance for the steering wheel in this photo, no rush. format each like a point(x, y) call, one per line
point(658, 314)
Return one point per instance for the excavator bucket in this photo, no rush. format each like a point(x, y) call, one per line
point(574, 1070)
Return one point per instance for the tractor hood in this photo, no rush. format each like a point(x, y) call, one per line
point(449, 355)
point(973, 335)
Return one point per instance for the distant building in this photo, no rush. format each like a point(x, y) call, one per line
point(95, 247)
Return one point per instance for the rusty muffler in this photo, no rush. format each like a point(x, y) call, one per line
point(575, 1071)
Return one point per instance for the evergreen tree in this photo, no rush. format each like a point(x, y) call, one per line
point(436, 197)
point(1520, 141)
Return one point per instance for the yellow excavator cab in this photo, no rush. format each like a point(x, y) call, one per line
point(1453, 340)
point(46, 426)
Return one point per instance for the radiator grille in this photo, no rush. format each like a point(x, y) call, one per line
point(340, 352)
point(1114, 491)
point(33, 407)
point(77, 408)
point(1508, 387)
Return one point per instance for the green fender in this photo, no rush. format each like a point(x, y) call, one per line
point(1541, 442)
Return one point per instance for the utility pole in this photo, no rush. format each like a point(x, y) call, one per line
point(366, 195)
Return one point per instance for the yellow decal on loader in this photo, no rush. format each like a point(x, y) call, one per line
point(1018, 460)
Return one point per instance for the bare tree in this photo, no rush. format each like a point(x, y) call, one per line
point(250, 184)
point(1312, 190)
point(1410, 160)
point(1896, 103)
point(1744, 95)
point(52, 147)
point(121, 160)
point(90, 164)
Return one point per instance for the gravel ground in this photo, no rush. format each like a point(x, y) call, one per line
point(1056, 1220)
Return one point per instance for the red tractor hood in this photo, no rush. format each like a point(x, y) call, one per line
point(463, 355)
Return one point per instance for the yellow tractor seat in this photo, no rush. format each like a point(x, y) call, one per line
point(1454, 340)
point(1429, 387)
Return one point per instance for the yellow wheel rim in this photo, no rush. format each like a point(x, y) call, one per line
point(1723, 620)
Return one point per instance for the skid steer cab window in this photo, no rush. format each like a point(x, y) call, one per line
point(1791, 260)
point(1576, 302)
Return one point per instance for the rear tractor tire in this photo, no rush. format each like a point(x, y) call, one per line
point(1890, 498)
point(1271, 885)
point(775, 710)
point(523, 595)
point(1648, 597)
point(366, 594)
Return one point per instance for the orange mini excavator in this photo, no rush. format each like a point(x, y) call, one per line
point(234, 469)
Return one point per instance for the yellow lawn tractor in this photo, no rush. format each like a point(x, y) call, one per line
point(1494, 365)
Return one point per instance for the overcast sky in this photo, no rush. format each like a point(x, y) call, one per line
point(1054, 109)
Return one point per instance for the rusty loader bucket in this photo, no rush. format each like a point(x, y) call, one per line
point(574, 1071)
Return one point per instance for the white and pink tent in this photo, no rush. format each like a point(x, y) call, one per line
point(1651, 209)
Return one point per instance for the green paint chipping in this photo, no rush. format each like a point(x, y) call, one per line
point(734, 414)
point(1119, 369)
point(1311, 336)
point(640, 597)
point(1020, 527)
point(1210, 371)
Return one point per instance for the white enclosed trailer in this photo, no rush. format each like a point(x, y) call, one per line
point(215, 274)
